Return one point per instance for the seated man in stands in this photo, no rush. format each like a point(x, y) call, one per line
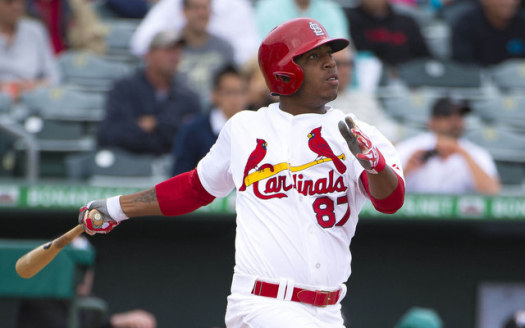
point(26, 58)
point(230, 96)
point(441, 161)
point(392, 37)
point(204, 53)
point(145, 110)
point(490, 33)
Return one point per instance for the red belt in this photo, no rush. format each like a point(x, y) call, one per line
point(313, 297)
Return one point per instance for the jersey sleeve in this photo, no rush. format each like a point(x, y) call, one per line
point(214, 169)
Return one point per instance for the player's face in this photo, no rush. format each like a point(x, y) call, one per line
point(320, 80)
point(231, 96)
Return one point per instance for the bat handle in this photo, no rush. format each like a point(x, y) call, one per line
point(96, 217)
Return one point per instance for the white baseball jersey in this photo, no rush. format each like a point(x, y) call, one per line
point(298, 192)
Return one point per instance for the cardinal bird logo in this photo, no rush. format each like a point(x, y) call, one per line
point(319, 146)
point(255, 158)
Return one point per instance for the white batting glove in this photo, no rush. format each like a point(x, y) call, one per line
point(360, 145)
point(111, 213)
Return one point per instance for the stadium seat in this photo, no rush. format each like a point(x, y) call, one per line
point(119, 36)
point(503, 143)
point(509, 75)
point(5, 103)
point(110, 167)
point(89, 71)
point(422, 16)
point(510, 173)
point(60, 103)
point(508, 109)
point(59, 136)
point(439, 73)
point(410, 106)
point(453, 10)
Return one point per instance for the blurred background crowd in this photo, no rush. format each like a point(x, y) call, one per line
point(130, 92)
point(88, 87)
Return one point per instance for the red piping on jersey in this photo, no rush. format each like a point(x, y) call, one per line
point(182, 194)
point(392, 202)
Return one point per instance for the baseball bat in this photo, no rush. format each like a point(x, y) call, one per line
point(35, 260)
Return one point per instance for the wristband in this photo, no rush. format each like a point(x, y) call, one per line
point(115, 210)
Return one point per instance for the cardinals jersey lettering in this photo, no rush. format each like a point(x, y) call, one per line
point(297, 187)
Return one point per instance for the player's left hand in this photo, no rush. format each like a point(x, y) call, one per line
point(360, 145)
point(101, 206)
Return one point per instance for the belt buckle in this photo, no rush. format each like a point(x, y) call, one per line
point(327, 299)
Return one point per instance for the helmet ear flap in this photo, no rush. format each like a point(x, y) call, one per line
point(285, 77)
point(288, 81)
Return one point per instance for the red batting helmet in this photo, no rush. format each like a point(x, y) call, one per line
point(285, 42)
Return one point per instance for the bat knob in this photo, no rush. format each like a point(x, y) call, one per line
point(96, 217)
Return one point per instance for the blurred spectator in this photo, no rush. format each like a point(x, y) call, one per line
point(420, 318)
point(26, 58)
point(196, 138)
point(392, 37)
point(145, 110)
point(441, 161)
point(130, 8)
point(490, 33)
point(232, 20)
point(359, 103)
point(517, 320)
point(258, 93)
point(70, 24)
point(270, 13)
point(204, 53)
point(55, 15)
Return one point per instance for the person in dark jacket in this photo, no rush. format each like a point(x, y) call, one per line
point(230, 95)
point(145, 110)
point(490, 33)
point(392, 37)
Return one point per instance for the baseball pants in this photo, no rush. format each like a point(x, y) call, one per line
point(245, 310)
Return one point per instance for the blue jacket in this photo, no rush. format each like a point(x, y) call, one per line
point(192, 143)
point(133, 97)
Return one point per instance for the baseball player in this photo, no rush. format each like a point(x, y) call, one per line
point(302, 172)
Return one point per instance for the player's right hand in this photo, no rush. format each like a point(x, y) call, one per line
point(101, 206)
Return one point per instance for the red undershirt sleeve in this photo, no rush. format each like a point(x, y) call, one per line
point(391, 203)
point(182, 194)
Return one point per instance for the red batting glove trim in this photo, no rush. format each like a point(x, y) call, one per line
point(376, 159)
point(182, 194)
point(371, 152)
point(106, 227)
point(391, 203)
